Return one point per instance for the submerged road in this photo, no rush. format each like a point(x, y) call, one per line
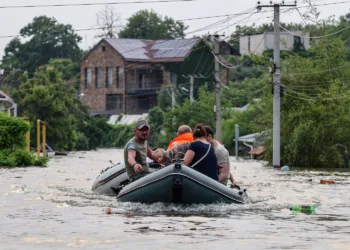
point(53, 208)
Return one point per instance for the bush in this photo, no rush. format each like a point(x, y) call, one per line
point(23, 157)
point(12, 132)
point(82, 142)
point(20, 157)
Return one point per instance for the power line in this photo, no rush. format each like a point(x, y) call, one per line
point(90, 4)
point(328, 4)
point(312, 37)
point(246, 12)
point(87, 29)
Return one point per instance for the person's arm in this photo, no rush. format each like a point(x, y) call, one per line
point(132, 162)
point(151, 154)
point(188, 157)
point(223, 168)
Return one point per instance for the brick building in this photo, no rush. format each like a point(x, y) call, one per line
point(123, 75)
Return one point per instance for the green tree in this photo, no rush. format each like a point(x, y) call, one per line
point(47, 97)
point(314, 115)
point(201, 111)
point(147, 24)
point(70, 71)
point(43, 39)
point(156, 120)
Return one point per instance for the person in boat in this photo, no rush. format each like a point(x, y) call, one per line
point(222, 157)
point(184, 135)
point(136, 151)
point(173, 155)
point(201, 155)
point(177, 147)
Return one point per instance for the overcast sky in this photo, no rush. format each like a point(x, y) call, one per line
point(83, 17)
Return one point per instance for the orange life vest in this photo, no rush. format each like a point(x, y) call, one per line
point(186, 137)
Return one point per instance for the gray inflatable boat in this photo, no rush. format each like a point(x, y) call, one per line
point(178, 183)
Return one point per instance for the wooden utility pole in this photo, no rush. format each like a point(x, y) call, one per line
point(276, 82)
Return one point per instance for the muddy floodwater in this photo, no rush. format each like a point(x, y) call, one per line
point(54, 208)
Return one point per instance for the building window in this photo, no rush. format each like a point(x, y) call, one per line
point(109, 77)
point(141, 78)
point(103, 48)
point(121, 103)
point(98, 77)
point(114, 102)
point(88, 77)
point(120, 78)
point(143, 103)
point(173, 77)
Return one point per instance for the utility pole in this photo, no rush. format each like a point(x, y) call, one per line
point(172, 96)
point(191, 89)
point(236, 137)
point(276, 82)
point(217, 89)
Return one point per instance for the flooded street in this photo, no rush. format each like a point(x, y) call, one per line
point(53, 208)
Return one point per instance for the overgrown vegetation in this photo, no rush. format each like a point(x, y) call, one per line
point(12, 143)
point(315, 120)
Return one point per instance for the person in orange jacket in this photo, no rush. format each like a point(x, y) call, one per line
point(184, 134)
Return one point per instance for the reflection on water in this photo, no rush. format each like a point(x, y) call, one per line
point(45, 208)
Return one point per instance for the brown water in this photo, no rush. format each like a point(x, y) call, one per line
point(53, 208)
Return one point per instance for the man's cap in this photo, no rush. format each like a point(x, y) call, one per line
point(142, 123)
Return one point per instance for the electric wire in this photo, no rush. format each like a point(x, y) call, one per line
point(90, 4)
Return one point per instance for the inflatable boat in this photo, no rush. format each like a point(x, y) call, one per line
point(178, 183)
point(112, 179)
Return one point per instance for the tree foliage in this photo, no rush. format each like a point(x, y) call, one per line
point(47, 97)
point(156, 121)
point(13, 142)
point(147, 24)
point(314, 115)
point(12, 132)
point(70, 71)
point(201, 111)
point(43, 39)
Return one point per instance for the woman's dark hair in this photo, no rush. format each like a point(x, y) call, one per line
point(199, 131)
point(210, 131)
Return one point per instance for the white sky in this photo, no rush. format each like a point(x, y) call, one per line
point(82, 17)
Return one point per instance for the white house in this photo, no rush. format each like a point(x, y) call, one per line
point(257, 44)
point(6, 104)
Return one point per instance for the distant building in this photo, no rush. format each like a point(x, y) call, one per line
point(124, 75)
point(257, 44)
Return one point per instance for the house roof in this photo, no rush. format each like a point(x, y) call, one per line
point(5, 99)
point(253, 137)
point(153, 50)
point(125, 119)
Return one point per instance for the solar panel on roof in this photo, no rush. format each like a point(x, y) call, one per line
point(137, 49)
point(173, 48)
point(130, 48)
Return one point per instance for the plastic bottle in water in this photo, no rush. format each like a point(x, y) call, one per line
point(285, 168)
point(111, 210)
point(303, 208)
